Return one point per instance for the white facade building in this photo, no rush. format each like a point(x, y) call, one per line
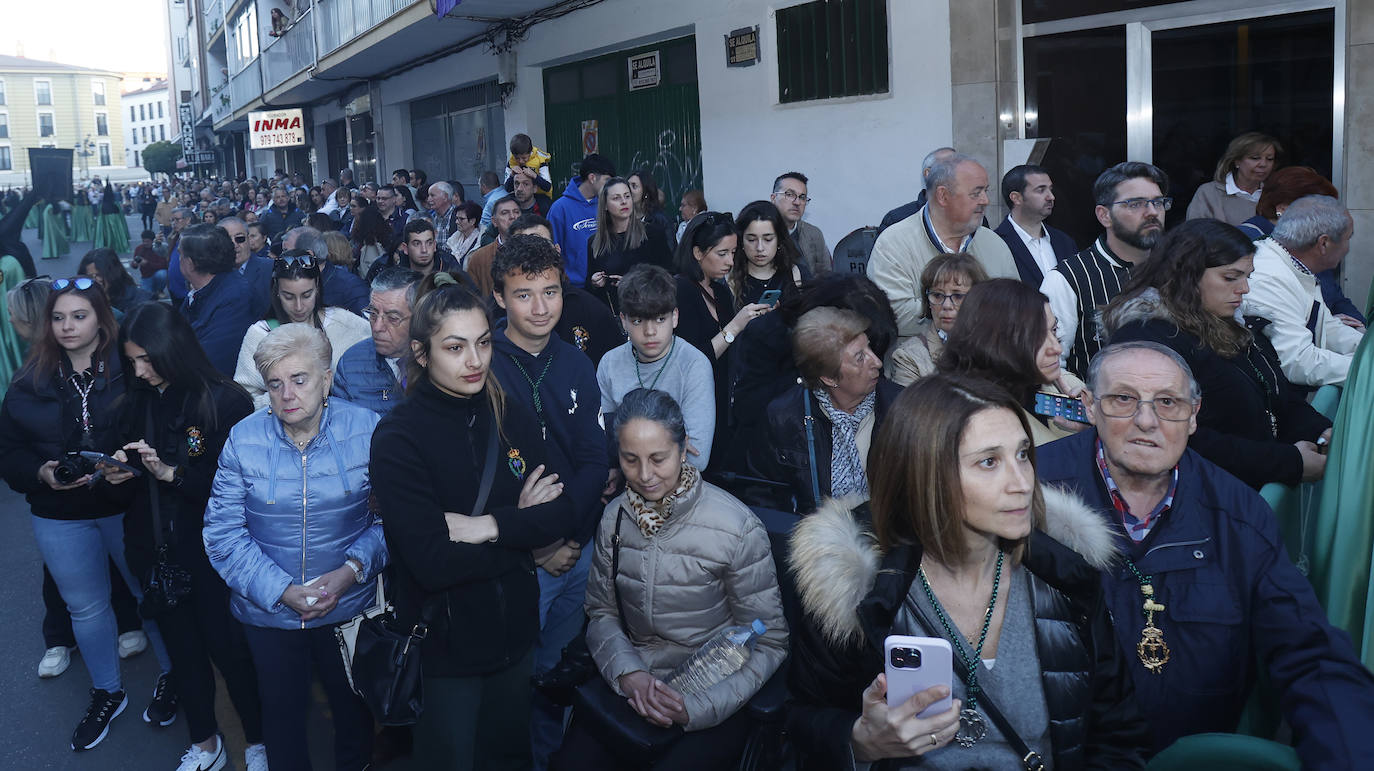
point(149, 119)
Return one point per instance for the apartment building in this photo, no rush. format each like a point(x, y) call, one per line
point(149, 119)
point(48, 104)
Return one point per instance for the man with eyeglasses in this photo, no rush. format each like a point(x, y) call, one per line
point(950, 222)
point(369, 373)
point(256, 271)
point(176, 283)
point(791, 198)
point(1132, 198)
point(388, 203)
point(1202, 589)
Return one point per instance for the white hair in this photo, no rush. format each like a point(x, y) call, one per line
point(290, 339)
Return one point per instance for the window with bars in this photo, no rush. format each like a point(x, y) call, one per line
point(832, 48)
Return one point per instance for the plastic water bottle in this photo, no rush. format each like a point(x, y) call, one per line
point(721, 656)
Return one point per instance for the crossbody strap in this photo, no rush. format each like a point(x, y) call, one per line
point(811, 446)
point(154, 500)
point(615, 572)
point(488, 468)
point(1030, 759)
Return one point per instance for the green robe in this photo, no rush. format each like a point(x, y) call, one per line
point(54, 233)
point(83, 222)
point(12, 347)
point(112, 232)
point(1341, 553)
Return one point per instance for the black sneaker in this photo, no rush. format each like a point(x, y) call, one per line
point(162, 710)
point(105, 706)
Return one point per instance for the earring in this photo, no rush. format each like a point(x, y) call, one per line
point(326, 400)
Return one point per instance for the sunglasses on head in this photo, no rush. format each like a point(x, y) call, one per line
point(290, 263)
point(80, 282)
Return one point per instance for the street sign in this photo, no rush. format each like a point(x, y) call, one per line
point(202, 156)
point(276, 128)
point(188, 123)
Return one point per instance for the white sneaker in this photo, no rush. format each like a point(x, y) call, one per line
point(55, 661)
point(255, 758)
point(197, 759)
point(132, 643)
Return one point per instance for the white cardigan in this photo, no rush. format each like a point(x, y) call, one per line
point(1284, 295)
point(342, 327)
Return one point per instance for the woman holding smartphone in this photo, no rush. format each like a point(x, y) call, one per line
point(174, 421)
point(768, 265)
point(962, 547)
point(1005, 333)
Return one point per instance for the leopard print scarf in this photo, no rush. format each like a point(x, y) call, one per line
point(650, 516)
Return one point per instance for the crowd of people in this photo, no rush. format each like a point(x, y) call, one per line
point(541, 423)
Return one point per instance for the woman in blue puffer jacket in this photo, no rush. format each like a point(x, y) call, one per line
point(290, 530)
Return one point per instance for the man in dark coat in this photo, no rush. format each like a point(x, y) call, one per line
point(220, 304)
point(1035, 246)
point(1204, 591)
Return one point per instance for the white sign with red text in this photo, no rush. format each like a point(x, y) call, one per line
point(276, 128)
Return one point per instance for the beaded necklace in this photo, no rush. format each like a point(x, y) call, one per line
point(534, 388)
point(971, 724)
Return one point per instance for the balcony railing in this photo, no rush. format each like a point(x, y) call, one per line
point(246, 86)
point(220, 102)
point(214, 17)
point(289, 54)
point(343, 20)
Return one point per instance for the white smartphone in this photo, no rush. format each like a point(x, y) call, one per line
point(914, 664)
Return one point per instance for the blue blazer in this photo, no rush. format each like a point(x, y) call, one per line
point(1233, 601)
point(257, 274)
point(1060, 242)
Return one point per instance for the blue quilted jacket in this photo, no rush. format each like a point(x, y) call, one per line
point(278, 516)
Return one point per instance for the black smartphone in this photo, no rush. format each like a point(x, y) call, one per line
point(1060, 406)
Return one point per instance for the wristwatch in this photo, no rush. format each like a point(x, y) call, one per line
point(729, 336)
point(357, 569)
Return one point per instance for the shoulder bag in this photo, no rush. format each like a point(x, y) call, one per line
point(382, 656)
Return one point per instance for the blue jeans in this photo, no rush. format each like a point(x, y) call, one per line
point(156, 282)
point(77, 553)
point(561, 602)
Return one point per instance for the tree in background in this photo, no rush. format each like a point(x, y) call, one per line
point(161, 157)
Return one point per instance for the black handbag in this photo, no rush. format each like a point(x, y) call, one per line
point(606, 714)
point(167, 585)
point(382, 656)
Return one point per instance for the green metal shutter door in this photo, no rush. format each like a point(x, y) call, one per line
point(658, 127)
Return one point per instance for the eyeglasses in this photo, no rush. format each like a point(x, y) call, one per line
point(81, 282)
point(392, 318)
point(793, 196)
point(303, 260)
point(938, 298)
point(1138, 204)
point(1169, 408)
point(288, 264)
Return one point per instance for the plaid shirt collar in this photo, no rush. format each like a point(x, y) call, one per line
point(1136, 528)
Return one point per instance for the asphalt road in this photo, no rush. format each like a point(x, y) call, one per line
point(38, 716)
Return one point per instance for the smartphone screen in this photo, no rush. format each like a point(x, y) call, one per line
point(1060, 406)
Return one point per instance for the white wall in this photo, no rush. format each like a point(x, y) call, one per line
point(861, 154)
point(149, 100)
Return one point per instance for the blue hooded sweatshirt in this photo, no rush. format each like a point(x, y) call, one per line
point(574, 222)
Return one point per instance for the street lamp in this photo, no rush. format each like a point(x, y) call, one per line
point(85, 153)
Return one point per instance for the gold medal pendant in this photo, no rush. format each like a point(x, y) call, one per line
point(1152, 650)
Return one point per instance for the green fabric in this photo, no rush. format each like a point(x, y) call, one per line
point(83, 223)
point(112, 232)
point(54, 233)
point(1345, 529)
point(1225, 752)
point(31, 219)
point(11, 346)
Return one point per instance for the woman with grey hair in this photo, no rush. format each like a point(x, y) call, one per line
point(677, 561)
point(290, 529)
point(818, 432)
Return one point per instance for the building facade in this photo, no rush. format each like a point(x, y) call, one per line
point(726, 94)
point(149, 119)
point(47, 104)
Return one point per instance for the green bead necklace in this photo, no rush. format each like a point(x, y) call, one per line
point(534, 387)
point(972, 727)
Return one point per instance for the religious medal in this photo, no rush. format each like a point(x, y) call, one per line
point(972, 728)
point(1152, 650)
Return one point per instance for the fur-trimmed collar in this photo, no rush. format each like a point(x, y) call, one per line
point(835, 556)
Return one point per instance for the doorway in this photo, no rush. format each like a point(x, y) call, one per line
point(1174, 88)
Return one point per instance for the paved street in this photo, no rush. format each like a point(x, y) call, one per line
point(39, 715)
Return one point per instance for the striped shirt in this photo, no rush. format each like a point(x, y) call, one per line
point(1095, 276)
point(1136, 528)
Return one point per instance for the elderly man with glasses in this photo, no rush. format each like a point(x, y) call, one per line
point(369, 373)
point(1203, 593)
point(1131, 198)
